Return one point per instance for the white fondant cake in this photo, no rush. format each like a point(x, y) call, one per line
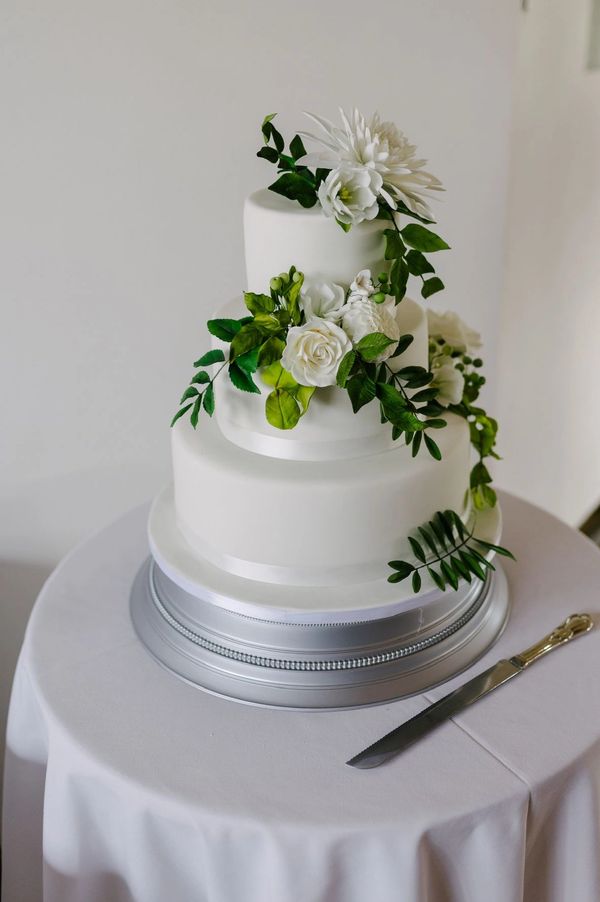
point(279, 233)
point(302, 555)
point(332, 500)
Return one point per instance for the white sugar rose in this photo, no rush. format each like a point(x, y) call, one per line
point(363, 316)
point(451, 328)
point(313, 352)
point(448, 380)
point(349, 193)
point(363, 284)
point(324, 300)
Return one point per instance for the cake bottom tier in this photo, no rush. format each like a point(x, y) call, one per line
point(315, 665)
point(311, 523)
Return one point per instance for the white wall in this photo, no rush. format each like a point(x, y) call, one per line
point(128, 138)
point(550, 345)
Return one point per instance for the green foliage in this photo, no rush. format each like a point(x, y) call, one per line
point(371, 346)
point(422, 239)
point(282, 409)
point(345, 368)
point(295, 181)
point(448, 551)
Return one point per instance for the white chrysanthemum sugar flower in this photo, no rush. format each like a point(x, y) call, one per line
point(349, 193)
point(450, 327)
point(380, 147)
point(448, 380)
point(363, 284)
point(324, 300)
point(362, 317)
point(314, 351)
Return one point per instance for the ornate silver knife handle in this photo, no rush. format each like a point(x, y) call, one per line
point(573, 626)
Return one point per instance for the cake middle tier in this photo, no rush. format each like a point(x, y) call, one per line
point(311, 523)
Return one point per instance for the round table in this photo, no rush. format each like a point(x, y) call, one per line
point(124, 783)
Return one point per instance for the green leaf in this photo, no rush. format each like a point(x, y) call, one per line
point(344, 226)
point(224, 329)
point(429, 540)
point(295, 187)
point(480, 557)
point(371, 346)
point(248, 361)
point(346, 364)
point(267, 322)
point(392, 401)
point(399, 279)
point(403, 343)
point(303, 394)
point(422, 239)
point(249, 337)
point(473, 564)
point(448, 526)
point(214, 356)
point(242, 380)
point(432, 447)
point(297, 149)
point(180, 413)
point(208, 400)
point(268, 153)
point(435, 423)
point(457, 522)
point(417, 549)
point(259, 303)
point(437, 578)
point(271, 351)
point(361, 390)
point(416, 443)
point(427, 394)
point(438, 533)
point(190, 392)
point(402, 567)
point(449, 574)
point(282, 409)
point(196, 411)
point(275, 376)
point(460, 568)
point(418, 265)
point(479, 475)
point(200, 378)
point(432, 286)
point(497, 548)
point(416, 582)
point(394, 246)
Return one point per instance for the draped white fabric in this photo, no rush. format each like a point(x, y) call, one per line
point(123, 783)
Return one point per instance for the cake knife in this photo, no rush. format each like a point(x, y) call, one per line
point(414, 729)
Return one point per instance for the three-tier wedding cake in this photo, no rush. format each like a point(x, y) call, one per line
point(329, 533)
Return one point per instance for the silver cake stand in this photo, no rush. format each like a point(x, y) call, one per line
point(214, 632)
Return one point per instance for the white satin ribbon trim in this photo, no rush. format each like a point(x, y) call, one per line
point(297, 449)
point(284, 576)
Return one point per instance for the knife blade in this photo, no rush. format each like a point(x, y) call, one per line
point(421, 724)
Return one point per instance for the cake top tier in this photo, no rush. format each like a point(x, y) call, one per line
point(279, 233)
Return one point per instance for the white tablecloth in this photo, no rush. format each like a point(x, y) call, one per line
point(123, 783)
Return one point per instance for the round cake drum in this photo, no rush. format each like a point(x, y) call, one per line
point(272, 645)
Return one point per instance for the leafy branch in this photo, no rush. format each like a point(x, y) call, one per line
point(447, 550)
point(483, 429)
point(365, 380)
point(255, 342)
point(406, 249)
point(296, 182)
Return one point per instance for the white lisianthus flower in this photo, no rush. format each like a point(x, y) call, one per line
point(314, 351)
point(453, 330)
point(349, 193)
point(363, 284)
point(362, 317)
point(382, 148)
point(448, 380)
point(324, 300)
